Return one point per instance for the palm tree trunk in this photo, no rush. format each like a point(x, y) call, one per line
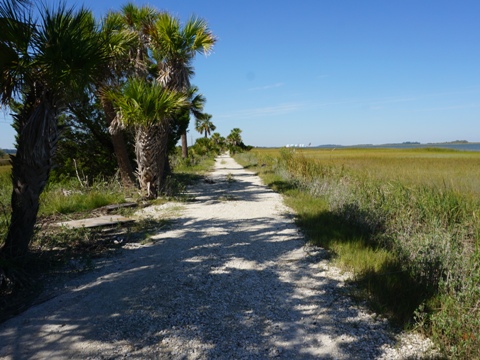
point(37, 139)
point(184, 146)
point(119, 145)
point(147, 148)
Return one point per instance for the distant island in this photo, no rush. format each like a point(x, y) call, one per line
point(403, 144)
point(459, 142)
point(9, 151)
point(460, 145)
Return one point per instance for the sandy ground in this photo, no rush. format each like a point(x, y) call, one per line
point(232, 278)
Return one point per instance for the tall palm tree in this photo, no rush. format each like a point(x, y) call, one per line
point(182, 119)
point(146, 107)
point(175, 48)
point(127, 34)
point(46, 65)
point(204, 126)
point(119, 42)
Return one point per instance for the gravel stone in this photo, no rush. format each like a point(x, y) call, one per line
point(232, 279)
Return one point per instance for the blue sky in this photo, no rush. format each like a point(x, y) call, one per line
point(334, 72)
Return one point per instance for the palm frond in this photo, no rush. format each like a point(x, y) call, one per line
point(199, 37)
point(71, 51)
point(139, 18)
point(176, 46)
point(16, 29)
point(118, 38)
point(146, 104)
point(166, 37)
point(197, 102)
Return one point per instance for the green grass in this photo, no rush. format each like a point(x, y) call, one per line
point(62, 200)
point(67, 198)
point(405, 222)
point(5, 169)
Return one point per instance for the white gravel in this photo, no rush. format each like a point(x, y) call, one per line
point(231, 279)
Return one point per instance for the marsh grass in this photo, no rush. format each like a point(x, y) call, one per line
point(404, 221)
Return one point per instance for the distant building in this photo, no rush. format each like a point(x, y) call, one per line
point(295, 145)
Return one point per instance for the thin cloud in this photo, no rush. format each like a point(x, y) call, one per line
point(453, 107)
point(376, 103)
point(266, 87)
point(373, 103)
point(394, 100)
point(264, 111)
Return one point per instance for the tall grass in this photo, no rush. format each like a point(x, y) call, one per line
point(70, 196)
point(406, 222)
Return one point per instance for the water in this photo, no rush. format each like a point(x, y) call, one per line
point(461, 147)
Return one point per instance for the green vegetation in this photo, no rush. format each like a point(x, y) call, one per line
point(70, 197)
point(405, 222)
point(5, 169)
point(4, 160)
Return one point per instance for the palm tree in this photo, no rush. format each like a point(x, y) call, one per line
point(46, 65)
point(119, 42)
point(182, 119)
point(204, 126)
point(146, 107)
point(127, 35)
point(218, 142)
point(234, 140)
point(175, 48)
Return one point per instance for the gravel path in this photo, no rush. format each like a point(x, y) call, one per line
point(231, 279)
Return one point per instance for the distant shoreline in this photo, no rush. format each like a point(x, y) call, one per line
point(454, 145)
point(9, 151)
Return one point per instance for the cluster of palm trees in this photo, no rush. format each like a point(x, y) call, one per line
point(137, 62)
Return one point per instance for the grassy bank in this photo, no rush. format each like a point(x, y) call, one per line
point(404, 221)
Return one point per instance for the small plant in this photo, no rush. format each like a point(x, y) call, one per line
point(230, 178)
point(227, 198)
